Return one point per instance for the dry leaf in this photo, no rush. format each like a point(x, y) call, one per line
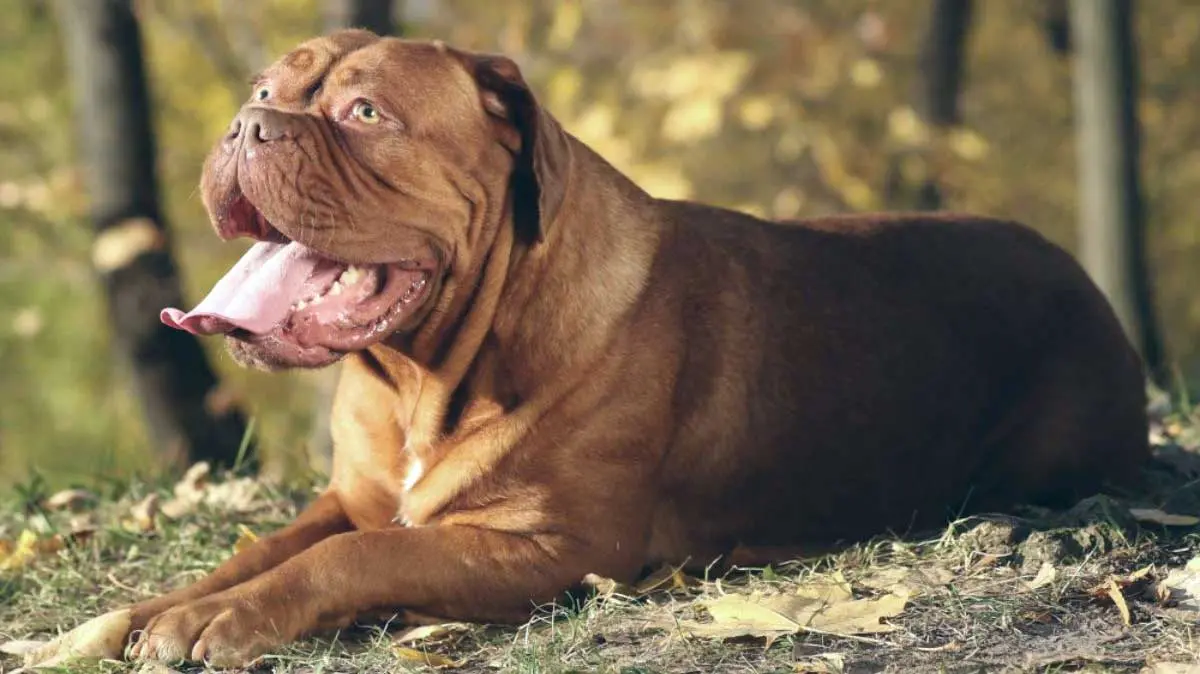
point(607, 587)
point(431, 659)
point(19, 647)
point(428, 633)
point(907, 581)
point(142, 516)
point(828, 589)
point(773, 616)
point(101, 637)
point(245, 539)
point(1182, 587)
point(1172, 668)
point(1046, 575)
point(1156, 516)
point(27, 548)
point(666, 579)
point(826, 663)
point(1114, 593)
point(70, 499)
point(737, 615)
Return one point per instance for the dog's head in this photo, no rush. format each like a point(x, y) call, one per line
point(369, 171)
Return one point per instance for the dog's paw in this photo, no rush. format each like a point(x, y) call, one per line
point(222, 631)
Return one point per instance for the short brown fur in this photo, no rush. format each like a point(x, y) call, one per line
point(604, 381)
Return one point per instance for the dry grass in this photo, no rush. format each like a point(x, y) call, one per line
point(976, 604)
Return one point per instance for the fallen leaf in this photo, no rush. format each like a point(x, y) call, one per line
point(19, 647)
point(1172, 668)
point(828, 589)
point(1046, 575)
point(427, 633)
point(1181, 587)
point(667, 578)
point(607, 587)
point(101, 637)
point(736, 615)
point(826, 663)
point(70, 499)
point(245, 538)
point(143, 515)
point(431, 659)
point(773, 616)
point(1156, 516)
point(907, 581)
point(1114, 593)
point(28, 547)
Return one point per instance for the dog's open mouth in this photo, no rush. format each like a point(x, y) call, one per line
point(289, 297)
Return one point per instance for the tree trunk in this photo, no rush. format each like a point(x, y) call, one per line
point(379, 17)
point(935, 100)
point(374, 15)
point(188, 416)
point(1112, 227)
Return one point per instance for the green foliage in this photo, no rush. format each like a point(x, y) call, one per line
point(781, 108)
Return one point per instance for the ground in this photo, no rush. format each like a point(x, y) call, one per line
point(1102, 587)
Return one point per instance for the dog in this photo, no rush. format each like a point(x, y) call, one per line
point(546, 372)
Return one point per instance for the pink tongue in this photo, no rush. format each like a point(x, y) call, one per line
point(258, 293)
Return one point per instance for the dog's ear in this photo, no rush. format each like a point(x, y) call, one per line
point(544, 156)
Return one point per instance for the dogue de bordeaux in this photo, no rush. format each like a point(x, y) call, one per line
point(548, 373)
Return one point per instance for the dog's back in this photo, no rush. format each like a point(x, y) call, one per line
point(851, 374)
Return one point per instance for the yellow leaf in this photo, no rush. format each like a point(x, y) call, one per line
point(246, 538)
point(828, 589)
point(905, 126)
point(565, 26)
point(825, 663)
point(70, 499)
point(1156, 516)
point(1046, 575)
point(666, 578)
point(692, 119)
point(1182, 587)
point(438, 632)
point(968, 144)
point(756, 113)
point(833, 612)
point(563, 89)
point(430, 659)
point(101, 637)
point(866, 73)
point(1114, 593)
point(27, 548)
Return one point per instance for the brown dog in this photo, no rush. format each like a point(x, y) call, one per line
point(550, 373)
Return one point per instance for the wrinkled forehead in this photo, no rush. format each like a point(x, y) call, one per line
point(406, 75)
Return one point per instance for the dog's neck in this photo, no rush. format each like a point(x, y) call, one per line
point(492, 348)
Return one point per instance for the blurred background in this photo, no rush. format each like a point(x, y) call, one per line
point(1080, 118)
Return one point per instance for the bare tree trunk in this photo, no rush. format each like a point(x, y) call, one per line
point(935, 100)
point(379, 17)
point(1112, 227)
point(187, 416)
point(374, 15)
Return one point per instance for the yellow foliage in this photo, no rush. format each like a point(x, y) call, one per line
point(693, 118)
point(718, 75)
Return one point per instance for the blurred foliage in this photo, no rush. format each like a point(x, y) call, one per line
point(776, 107)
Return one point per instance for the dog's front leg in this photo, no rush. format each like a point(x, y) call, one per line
point(320, 520)
point(456, 572)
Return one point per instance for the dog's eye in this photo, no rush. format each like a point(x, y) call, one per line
point(262, 93)
point(365, 113)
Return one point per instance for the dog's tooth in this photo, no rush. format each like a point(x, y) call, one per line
point(337, 288)
point(317, 299)
point(301, 304)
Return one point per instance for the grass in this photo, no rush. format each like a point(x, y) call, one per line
point(972, 606)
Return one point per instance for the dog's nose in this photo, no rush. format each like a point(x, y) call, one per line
point(258, 125)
